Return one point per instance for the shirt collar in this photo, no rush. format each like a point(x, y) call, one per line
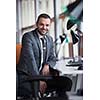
point(40, 36)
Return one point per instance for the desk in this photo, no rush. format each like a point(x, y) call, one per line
point(70, 70)
point(63, 69)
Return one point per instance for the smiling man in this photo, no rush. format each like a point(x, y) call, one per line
point(38, 58)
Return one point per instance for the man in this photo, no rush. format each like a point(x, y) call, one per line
point(37, 59)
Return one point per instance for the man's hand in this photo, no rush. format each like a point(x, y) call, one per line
point(43, 86)
point(45, 70)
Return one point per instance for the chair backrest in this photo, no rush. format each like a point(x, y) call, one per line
point(18, 50)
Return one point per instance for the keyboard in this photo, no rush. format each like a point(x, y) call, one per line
point(73, 63)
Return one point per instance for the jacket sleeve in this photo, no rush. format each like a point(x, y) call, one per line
point(51, 61)
point(28, 55)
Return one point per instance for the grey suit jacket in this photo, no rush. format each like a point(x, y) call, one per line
point(30, 58)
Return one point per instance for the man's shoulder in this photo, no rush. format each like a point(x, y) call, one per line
point(49, 37)
point(30, 33)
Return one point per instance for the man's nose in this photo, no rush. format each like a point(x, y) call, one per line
point(44, 27)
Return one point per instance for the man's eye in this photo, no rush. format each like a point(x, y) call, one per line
point(47, 25)
point(41, 24)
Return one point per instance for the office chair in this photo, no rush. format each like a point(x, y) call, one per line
point(19, 93)
point(33, 80)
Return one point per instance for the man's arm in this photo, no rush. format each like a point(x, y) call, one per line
point(28, 55)
point(51, 61)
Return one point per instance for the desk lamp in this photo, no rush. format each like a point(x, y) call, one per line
point(75, 39)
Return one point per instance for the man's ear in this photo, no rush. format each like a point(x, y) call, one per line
point(36, 24)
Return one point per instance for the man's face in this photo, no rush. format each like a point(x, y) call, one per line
point(43, 25)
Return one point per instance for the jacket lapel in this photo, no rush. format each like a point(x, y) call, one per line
point(48, 45)
point(37, 40)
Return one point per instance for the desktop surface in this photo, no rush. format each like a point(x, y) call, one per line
point(65, 68)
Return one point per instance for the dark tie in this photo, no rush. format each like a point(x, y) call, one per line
point(44, 49)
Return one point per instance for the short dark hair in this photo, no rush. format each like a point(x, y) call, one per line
point(43, 16)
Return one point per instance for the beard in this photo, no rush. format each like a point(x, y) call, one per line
point(42, 33)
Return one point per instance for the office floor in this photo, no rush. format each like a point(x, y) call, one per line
point(61, 98)
point(75, 97)
point(72, 96)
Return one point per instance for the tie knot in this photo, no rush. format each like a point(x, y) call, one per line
point(43, 40)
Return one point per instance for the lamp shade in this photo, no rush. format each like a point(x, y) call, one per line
point(75, 37)
point(62, 37)
point(70, 23)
